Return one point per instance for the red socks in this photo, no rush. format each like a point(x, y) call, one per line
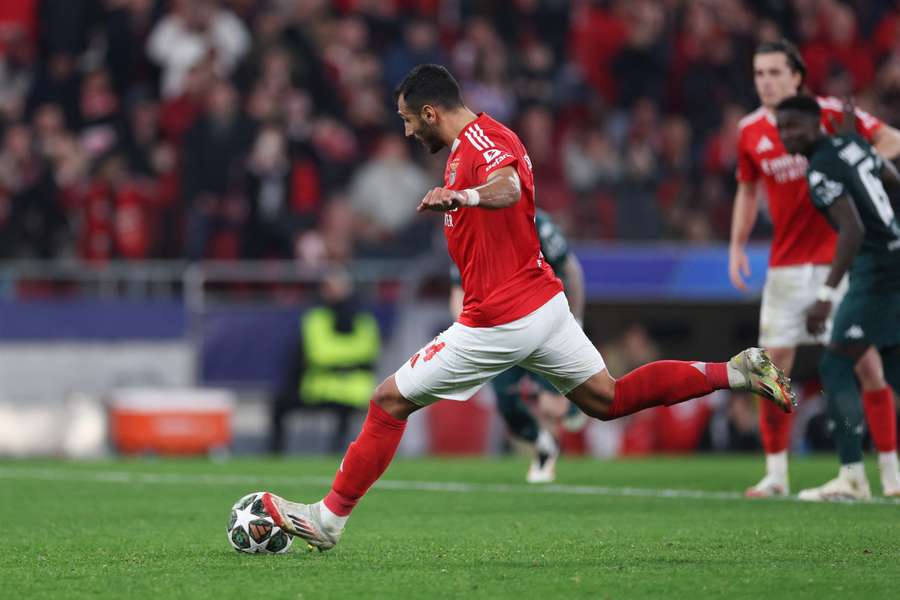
point(774, 427)
point(882, 418)
point(366, 459)
point(666, 382)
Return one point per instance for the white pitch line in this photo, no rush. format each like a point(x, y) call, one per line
point(126, 477)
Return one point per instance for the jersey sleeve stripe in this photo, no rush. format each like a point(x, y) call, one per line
point(473, 142)
point(482, 136)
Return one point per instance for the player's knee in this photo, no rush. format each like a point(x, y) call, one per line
point(870, 371)
point(388, 397)
point(595, 396)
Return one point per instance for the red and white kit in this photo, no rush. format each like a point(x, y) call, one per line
point(514, 310)
point(803, 243)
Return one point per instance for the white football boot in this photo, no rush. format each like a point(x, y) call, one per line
point(775, 483)
point(543, 467)
point(752, 370)
point(850, 485)
point(306, 521)
point(770, 486)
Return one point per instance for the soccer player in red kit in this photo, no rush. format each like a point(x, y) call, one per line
point(514, 311)
point(803, 246)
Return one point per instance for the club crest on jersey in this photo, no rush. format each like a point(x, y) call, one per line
point(451, 171)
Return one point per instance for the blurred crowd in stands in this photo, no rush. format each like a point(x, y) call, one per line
point(144, 129)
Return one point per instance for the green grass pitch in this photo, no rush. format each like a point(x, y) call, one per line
point(156, 529)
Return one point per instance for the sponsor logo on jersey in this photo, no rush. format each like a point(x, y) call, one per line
point(784, 168)
point(499, 159)
point(852, 154)
point(854, 332)
point(491, 154)
point(826, 189)
point(764, 145)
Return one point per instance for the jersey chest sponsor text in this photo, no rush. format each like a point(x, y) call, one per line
point(784, 168)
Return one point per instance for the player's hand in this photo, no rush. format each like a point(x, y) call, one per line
point(848, 118)
point(441, 199)
point(817, 316)
point(738, 268)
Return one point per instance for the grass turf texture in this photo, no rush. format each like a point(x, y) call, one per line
point(156, 529)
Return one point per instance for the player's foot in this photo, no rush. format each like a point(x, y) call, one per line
point(890, 474)
point(770, 486)
point(543, 467)
point(752, 370)
point(841, 488)
point(890, 481)
point(302, 520)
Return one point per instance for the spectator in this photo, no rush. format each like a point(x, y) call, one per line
point(35, 224)
point(272, 223)
point(384, 193)
point(214, 154)
point(419, 46)
point(837, 43)
point(196, 31)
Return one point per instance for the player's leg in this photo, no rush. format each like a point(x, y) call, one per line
point(846, 415)
point(572, 364)
point(881, 417)
point(549, 411)
point(668, 382)
point(321, 524)
point(887, 459)
point(775, 433)
point(453, 366)
point(520, 422)
point(782, 327)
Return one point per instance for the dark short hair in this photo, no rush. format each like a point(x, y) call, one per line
point(803, 104)
point(429, 84)
point(794, 58)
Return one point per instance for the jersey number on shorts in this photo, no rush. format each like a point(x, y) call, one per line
point(430, 351)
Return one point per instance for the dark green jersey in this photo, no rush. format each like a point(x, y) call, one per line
point(554, 246)
point(847, 164)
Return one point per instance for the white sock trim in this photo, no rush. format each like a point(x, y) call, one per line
point(777, 464)
point(888, 459)
point(854, 471)
point(331, 520)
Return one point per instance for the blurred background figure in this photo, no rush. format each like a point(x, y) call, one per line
point(333, 365)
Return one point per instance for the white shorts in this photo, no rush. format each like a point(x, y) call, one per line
point(789, 292)
point(455, 364)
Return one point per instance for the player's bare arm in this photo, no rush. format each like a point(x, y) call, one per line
point(743, 218)
point(890, 177)
point(850, 228)
point(886, 139)
point(501, 190)
point(887, 142)
point(456, 301)
point(574, 277)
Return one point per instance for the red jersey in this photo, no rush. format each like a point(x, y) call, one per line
point(801, 233)
point(497, 251)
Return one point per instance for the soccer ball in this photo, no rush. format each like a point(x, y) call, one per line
point(251, 529)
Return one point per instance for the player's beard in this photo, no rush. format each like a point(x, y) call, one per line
point(429, 138)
